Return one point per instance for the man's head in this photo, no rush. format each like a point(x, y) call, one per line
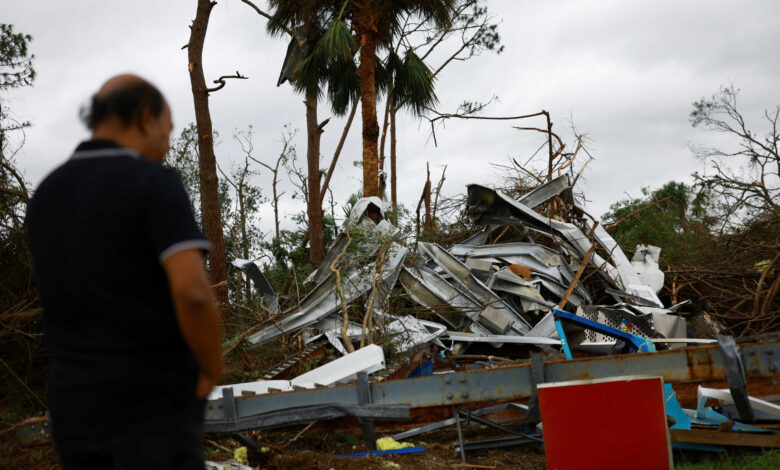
point(132, 112)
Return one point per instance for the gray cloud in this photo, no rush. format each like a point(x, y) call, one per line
point(624, 72)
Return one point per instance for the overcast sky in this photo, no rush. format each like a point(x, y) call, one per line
point(624, 72)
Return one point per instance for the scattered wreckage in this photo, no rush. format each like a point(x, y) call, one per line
point(526, 302)
point(512, 296)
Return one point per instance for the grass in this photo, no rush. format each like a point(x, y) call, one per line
point(769, 460)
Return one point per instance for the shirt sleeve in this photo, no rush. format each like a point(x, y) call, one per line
point(171, 222)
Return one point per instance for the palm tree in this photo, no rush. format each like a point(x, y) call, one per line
point(316, 56)
point(374, 24)
point(410, 85)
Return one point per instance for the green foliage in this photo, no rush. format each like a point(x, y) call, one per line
point(16, 70)
point(16, 63)
point(336, 44)
point(768, 460)
point(183, 157)
point(21, 339)
point(743, 174)
point(343, 86)
point(673, 217)
point(414, 85)
point(486, 37)
point(331, 60)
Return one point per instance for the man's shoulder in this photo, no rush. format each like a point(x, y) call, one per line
point(105, 168)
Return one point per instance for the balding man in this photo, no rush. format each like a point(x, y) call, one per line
point(129, 316)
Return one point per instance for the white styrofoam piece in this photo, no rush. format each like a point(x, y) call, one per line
point(645, 263)
point(258, 388)
point(685, 340)
point(725, 396)
point(369, 359)
point(470, 338)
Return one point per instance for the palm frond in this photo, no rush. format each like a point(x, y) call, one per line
point(337, 44)
point(343, 86)
point(414, 85)
point(309, 74)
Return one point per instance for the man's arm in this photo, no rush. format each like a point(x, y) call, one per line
point(196, 313)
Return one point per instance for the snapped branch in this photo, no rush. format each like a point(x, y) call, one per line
point(221, 81)
point(266, 15)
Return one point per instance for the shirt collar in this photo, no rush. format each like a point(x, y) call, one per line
point(102, 148)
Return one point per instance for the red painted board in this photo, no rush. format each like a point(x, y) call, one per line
point(615, 423)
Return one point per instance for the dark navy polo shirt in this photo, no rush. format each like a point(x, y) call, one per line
point(100, 227)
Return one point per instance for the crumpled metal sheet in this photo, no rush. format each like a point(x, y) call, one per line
point(430, 290)
point(362, 205)
point(505, 280)
point(538, 258)
point(559, 186)
point(323, 270)
point(253, 272)
point(324, 299)
point(497, 313)
point(487, 206)
point(356, 216)
point(406, 331)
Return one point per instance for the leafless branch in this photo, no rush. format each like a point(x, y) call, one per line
point(265, 15)
point(222, 83)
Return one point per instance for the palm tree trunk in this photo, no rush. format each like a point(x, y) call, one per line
point(366, 73)
point(244, 239)
point(209, 185)
point(314, 131)
point(385, 125)
point(393, 187)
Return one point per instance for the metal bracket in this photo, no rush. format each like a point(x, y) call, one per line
point(735, 375)
point(364, 398)
point(450, 421)
point(228, 404)
point(516, 437)
point(456, 415)
point(34, 431)
point(229, 408)
point(537, 377)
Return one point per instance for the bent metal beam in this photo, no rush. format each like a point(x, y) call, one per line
point(434, 396)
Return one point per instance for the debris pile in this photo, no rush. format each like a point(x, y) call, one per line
point(540, 281)
point(482, 290)
point(482, 332)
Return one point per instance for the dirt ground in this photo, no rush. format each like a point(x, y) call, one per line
point(318, 449)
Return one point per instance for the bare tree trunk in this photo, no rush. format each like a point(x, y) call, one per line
point(393, 180)
point(209, 185)
point(428, 226)
point(366, 73)
point(385, 124)
point(314, 131)
point(336, 154)
point(244, 238)
point(276, 203)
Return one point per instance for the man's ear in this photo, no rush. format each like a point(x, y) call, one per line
point(146, 122)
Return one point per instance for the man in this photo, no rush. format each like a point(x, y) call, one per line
point(129, 316)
